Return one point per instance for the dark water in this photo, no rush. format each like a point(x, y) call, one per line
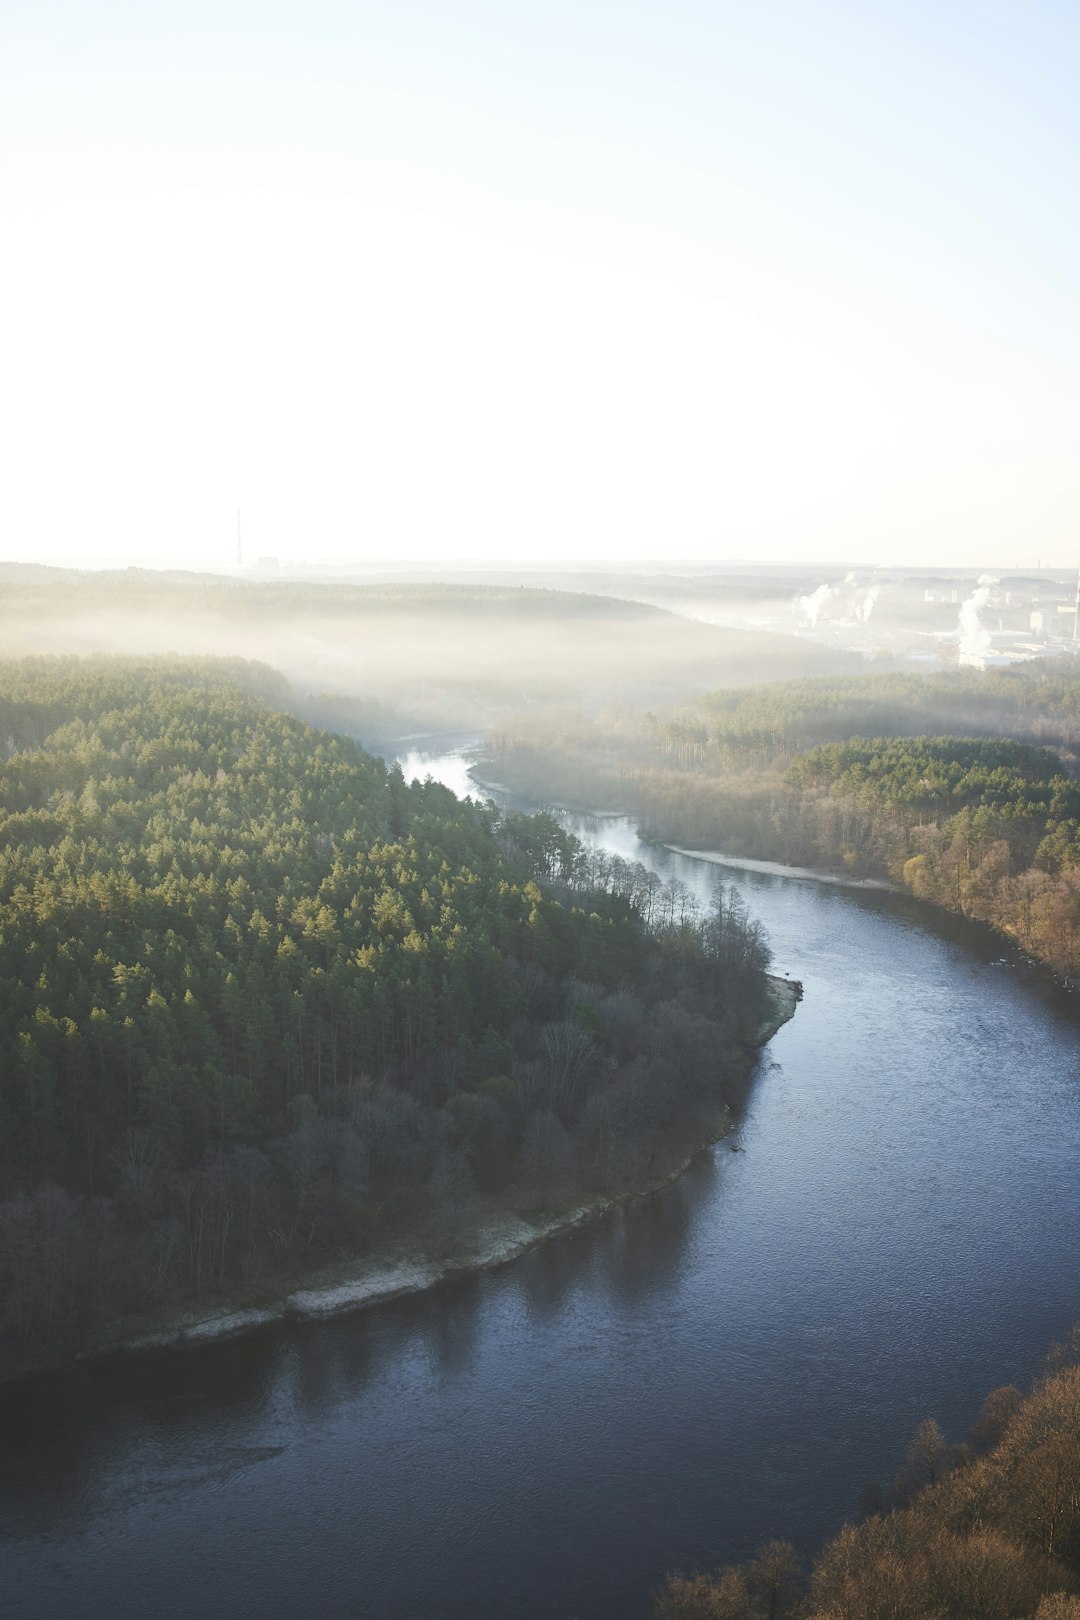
point(721, 1362)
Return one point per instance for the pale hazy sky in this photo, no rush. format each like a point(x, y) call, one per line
point(569, 278)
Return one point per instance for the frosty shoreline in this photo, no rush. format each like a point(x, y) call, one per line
point(778, 869)
point(356, 1284)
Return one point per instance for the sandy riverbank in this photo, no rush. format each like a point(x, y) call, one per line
point(404, 1269)
point(811, 874)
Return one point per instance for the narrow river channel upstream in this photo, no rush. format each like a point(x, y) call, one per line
point(719, 1363)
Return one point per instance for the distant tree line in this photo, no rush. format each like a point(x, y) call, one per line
point(262, 1002)
point(383, 659)
point(986, 825)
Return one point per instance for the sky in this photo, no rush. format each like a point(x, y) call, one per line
point(481, 280)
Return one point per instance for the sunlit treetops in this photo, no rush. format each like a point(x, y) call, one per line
point(199, 892)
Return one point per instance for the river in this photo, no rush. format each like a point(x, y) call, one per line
point(724, 1361)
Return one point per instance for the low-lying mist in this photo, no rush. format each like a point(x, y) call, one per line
point(405, 657)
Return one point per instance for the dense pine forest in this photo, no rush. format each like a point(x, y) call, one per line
point(262, 1002)
point(857, 776)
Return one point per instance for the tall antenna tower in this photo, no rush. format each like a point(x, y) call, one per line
point(1076, 610)
point(240, 556)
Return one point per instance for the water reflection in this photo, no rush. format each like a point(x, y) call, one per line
point(62, 1432)
point(452, 1326)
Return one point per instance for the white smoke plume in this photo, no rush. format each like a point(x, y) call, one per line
point(853, 602)
point(974, 636)
point(811, 606)
point(866, 606)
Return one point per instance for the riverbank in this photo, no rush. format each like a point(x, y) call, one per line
point(744, 863)
point(406, 1268)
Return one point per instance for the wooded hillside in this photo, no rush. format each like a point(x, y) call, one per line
point(262, 1000)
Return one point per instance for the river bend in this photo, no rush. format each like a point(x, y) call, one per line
point(721, 1362)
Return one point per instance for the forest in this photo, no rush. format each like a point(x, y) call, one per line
point(854, 776)
point(988, 1529)
point(263, 1002)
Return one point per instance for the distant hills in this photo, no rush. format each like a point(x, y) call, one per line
point(435, 655)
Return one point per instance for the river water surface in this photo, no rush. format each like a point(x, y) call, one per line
point(721, 1362)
